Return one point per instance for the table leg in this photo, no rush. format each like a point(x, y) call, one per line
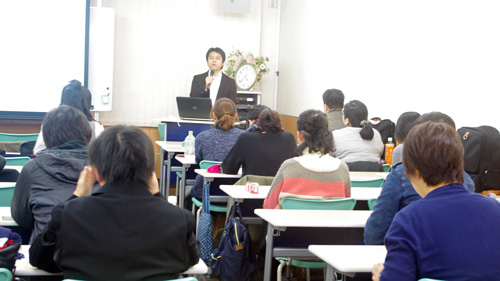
point(162, 174)
point(182, 191)
point(169, 169)
point(269, 253)
point(329, 273)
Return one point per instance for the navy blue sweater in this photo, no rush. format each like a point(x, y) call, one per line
point(451, 234)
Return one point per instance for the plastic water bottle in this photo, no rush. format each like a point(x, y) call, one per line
point(189, 146)
point(389, 147)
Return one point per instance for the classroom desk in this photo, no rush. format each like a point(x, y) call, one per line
point(365, 193)
point(169, 147)
point(238, 194)
point(185, 166)
point(24, 268)
point(6, 217)
point(17, 168)
point(209, 177)
point(278, 220)
point(349, 259)
point(355, 175)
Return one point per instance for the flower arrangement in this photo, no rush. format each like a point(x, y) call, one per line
point(236, 58)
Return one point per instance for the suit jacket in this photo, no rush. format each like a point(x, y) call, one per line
point(227, 87)
point(121, 232)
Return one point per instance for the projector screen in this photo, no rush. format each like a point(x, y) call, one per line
point(44, 46)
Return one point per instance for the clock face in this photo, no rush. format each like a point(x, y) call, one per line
point(246, 75)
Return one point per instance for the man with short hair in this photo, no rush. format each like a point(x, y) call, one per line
point(124, 231)
point(333, 101)
point(50, 178)
point(214, 83)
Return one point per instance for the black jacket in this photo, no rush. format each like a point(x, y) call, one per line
point(227, 87)
point(46, 181)
point(121, 232)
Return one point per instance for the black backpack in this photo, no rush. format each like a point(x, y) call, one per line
point(482, 156)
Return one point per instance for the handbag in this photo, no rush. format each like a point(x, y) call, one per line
point(235, 258)
point(204, 234)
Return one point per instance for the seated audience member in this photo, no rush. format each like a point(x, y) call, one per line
point(333, 102)
point(79, 97)
point(398, 192)
point(314, 174)
point(451, 234)
point(358, 144)
point(51, 177)
point(404, 124)
point(253, 117)
point(261, 153)
point(215, 144)
point(124, 231)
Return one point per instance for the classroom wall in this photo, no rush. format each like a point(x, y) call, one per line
point(393, 55)
point(160, 45)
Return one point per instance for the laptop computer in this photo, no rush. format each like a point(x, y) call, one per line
point(194, 108)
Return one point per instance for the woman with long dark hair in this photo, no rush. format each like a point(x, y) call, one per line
point(314, 174)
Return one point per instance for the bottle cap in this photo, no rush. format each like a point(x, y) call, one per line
point(190, 132)
point(389, 139)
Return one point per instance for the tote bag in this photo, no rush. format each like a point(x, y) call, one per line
point(204, 234)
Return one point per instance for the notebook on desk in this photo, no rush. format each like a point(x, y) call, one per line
point(194, 108)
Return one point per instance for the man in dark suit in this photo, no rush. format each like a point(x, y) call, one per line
point(214, 84)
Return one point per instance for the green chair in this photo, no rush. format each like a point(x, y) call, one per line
point(371, 203)
point(6, 194)
point(18, 137)
point(5, 274)
point(311, 204)
point(386, 167)
point(17, 161)
point(205, 164)
point(377, 182)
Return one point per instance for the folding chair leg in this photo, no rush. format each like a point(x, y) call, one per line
point(280, 269)
point(197, 218)
point(308, 274)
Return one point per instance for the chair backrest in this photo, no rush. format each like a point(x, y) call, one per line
point(371, 203)
point(18, 137)
point(16, 161)
point(6, 194)
point(161, 130)
point(386, 167)
point(318, 204)
point(5, 274)
point(205, 164)
point(377, 182)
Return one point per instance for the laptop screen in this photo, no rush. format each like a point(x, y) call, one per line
point(194, 108)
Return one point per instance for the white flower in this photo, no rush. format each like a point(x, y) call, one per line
point(262, 66)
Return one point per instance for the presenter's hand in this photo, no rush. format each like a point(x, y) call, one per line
point(208, 80)
point(85, 183)
point(153, 184)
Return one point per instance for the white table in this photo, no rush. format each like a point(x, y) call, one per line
point(170, 147)
point(209, 177)
point(17, 168)
point(24, 268)
point(278, 220)
point(349, 259)
point(185, 166)
point(6, 217)
point(365, 193)
point(369, 175)
point(237, 193)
